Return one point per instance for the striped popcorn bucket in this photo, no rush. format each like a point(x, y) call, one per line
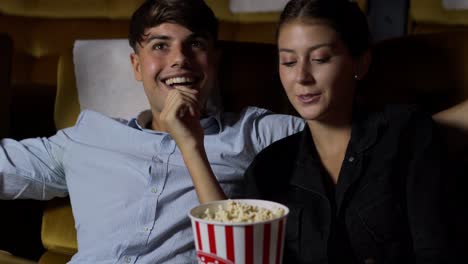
point(239, 243)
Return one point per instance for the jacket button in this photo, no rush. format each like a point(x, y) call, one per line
point(369, 261)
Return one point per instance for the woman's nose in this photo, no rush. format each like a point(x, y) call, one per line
point(304, 73)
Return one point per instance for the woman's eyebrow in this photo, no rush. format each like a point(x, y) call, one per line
point(309, 49)
point(285, 50)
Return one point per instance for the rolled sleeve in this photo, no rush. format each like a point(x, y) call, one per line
point(32, 168)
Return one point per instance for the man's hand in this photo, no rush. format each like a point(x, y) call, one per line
point(181, 117)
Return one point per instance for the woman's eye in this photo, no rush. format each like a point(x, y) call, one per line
point(288, 63)
point(321, 60)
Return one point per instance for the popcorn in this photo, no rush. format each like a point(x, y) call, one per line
point(241, 213)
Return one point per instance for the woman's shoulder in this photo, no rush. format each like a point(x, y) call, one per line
point(406, 115)
point(409, 123)
point(402, 110)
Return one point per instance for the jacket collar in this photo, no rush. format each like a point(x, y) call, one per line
point(366, 128)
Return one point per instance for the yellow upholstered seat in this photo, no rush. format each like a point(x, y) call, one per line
point(58, 227)
point(7, 258)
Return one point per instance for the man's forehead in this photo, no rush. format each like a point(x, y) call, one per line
point(171, 31)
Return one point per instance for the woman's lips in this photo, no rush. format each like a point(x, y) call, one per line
point(309, 98)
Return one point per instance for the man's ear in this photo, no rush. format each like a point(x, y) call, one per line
point(363, 64)
point(135, 60)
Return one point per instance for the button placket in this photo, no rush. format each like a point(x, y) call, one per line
point(127, 259)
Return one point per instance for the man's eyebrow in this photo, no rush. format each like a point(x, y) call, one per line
point(165, 37)
point(198, 35)
point(157, 37)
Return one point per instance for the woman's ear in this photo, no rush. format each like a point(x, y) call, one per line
point(362, 65)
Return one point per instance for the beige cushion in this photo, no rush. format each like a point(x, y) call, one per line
point(104, 78)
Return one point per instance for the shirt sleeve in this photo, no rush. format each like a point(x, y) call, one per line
point(269, 127)
point(32, 168)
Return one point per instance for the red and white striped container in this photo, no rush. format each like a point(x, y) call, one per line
point(239, 243)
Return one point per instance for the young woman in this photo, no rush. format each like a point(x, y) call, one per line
point(362, 187)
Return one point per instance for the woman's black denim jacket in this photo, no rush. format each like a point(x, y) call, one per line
point(387, 206)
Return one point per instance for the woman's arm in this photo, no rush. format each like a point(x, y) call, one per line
point(454, 128)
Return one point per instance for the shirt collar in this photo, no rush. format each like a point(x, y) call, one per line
point(211, 123)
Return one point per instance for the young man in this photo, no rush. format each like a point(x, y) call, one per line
point(131, 184)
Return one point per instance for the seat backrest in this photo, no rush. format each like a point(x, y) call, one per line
point(247, 76)
point(426, 69)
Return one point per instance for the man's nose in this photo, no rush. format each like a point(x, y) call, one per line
point(180, 57)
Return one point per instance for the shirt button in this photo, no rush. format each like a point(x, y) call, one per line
point(351, 159)
point(146, 229)
point(127, 259)
point(154, 190)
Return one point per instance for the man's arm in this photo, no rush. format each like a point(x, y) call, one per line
point(181, 116)
point(29, 169)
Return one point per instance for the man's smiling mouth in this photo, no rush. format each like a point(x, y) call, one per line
point(181, 81)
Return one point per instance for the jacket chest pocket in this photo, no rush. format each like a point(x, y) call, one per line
point(306, 228)
point(384, 219)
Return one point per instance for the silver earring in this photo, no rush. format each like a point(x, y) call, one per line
point(356, 77)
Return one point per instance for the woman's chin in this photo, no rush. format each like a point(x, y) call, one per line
point(310, 114)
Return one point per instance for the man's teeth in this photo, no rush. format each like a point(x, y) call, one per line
point(179, 80)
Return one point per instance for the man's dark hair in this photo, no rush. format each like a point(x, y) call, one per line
point(195, 15)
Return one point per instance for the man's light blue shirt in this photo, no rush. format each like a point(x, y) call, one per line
point(129, 187)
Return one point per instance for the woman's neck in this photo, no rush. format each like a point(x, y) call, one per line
point(331, 141)
point(328, 138)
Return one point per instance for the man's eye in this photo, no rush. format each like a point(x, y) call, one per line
point(288, 63)
point(321, 60)
point(197, 44)
point(159, 46)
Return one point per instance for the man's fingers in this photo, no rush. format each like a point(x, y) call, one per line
point(179, 103)
point(184, 89)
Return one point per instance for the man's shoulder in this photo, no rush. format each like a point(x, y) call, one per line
point(87, 116)
point(91, 124)
point(255, 114)
point(284, 147)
